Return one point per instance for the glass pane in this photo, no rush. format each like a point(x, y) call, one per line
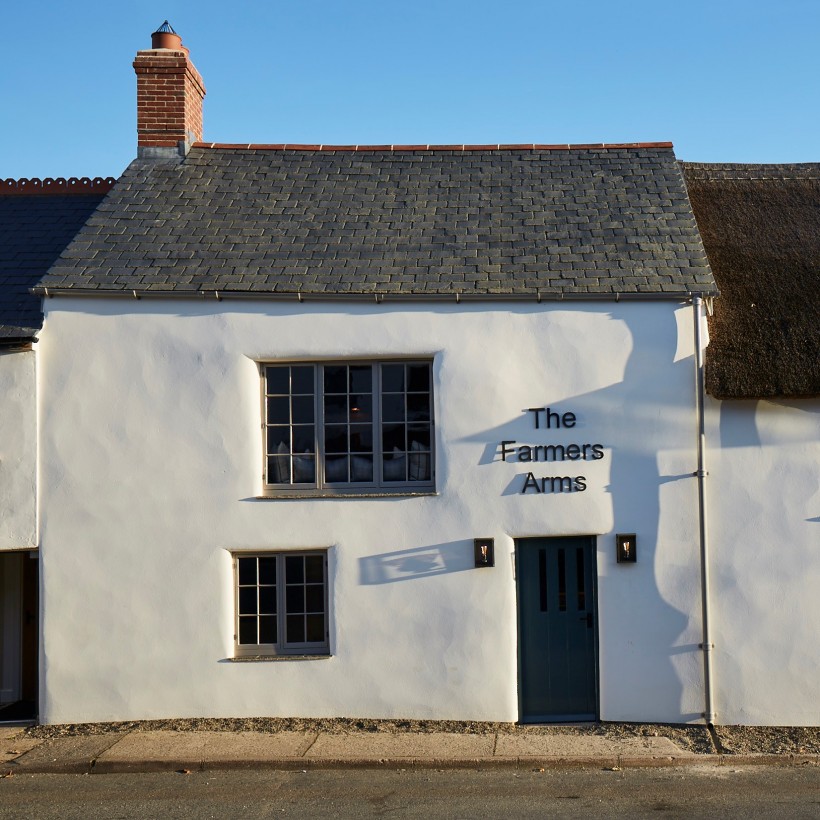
point(419, 435)
point(304, 470)
point(277, 380)
point(418, 377)
point(304, 438)
point(267, 600)
point(361, 468)
point(314, 569)
point(336, 438)
point(562, 581)
point(418, 465)
point(361, 378)
point(361, 438)
point(315, 628)
point(542, 579)
point(361, 408)
point(247, 571)
point(393, 408)
point(267, 629)
point(303, 409)
point(247, 600)
point(295, 629)
point(278, 440)
point(336, 469)
point(267, 570)
point(335, 378)
point(393, 438)
point(335, 409)
point(579, 569)
point(247, 630)
point(394, 467)
point(392, 378)
point(278, 410)
point(294, 599)
point(302, 379)
point(418, 407)
point(314, 598)
point(279, 470)
point(294, 569)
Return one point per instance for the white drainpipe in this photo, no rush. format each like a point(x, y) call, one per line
point(707, 646)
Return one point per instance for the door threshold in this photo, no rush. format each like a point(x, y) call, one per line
point(559, 720)
point(581, 723)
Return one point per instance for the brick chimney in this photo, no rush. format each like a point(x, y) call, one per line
point(169, 97)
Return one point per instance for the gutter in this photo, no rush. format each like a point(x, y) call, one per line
point(706, 646)
point(378, 297)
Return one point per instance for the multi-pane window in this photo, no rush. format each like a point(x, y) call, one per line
point(349, 426)
point(281, 603)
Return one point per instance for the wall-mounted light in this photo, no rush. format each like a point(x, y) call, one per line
point(484, 552)
point(626, 548)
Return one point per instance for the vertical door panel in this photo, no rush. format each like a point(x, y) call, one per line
point(10, 626)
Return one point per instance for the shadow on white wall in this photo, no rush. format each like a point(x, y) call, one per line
point(419, 562)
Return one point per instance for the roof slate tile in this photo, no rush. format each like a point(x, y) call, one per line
point(416, 223)
point(34, 230)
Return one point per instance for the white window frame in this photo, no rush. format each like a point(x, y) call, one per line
point(282, 646)
point(321, 487)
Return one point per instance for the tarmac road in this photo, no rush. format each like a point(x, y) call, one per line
point(692, 791)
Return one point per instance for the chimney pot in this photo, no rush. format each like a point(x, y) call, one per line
point(166, 37)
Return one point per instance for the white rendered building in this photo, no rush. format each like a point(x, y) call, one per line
point(419, 432)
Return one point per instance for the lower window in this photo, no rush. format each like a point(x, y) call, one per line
point(281, 603)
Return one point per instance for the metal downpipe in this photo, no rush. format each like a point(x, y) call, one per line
point(707, 646)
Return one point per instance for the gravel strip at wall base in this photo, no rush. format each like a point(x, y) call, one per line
point(692, 738)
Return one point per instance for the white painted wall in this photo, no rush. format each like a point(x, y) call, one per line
point(18, 453)
point(764, 495)
point(150, 468)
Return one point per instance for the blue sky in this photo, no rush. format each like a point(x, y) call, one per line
point(725, 81)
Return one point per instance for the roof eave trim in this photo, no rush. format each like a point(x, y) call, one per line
point(760, 395)
point(17, 342)
point(381, 296)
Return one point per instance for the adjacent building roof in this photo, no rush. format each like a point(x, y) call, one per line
point(761, 228)
point(37, 222)
point(530, 221)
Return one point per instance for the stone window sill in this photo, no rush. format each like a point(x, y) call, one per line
point(264, 658)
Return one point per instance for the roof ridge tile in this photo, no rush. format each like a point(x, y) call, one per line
point(433, 147)
point(53, 186)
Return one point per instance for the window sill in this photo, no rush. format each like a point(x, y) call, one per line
point(264, 658)
point(279, 496)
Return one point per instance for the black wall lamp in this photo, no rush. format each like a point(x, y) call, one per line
point(626, 548)
point(484, 552)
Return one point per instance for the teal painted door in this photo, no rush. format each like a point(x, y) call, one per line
point(556, 629)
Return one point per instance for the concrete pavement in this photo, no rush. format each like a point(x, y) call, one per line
point(164, 750)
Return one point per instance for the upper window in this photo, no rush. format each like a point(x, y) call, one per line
point(352, 427)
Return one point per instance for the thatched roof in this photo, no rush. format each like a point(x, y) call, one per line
point(760, 226)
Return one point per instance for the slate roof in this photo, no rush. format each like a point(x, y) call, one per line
point(761, 228)
point(34, 230)
point(481, 221)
